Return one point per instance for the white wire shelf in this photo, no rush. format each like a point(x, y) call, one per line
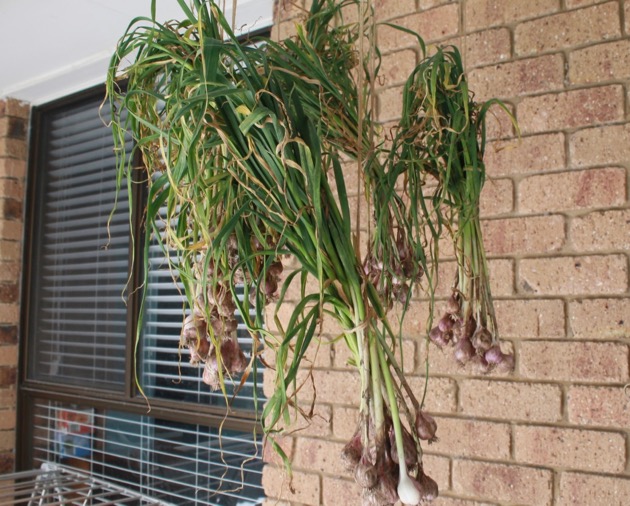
point(56, 485)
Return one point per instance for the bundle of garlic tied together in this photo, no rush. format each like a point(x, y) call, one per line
point(247, 149)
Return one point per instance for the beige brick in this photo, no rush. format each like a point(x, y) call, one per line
point(600, 63)
point(304, 487)
point(438, 468)
point(626, 15)
point(536, 234)
point(319, 455)
point(344, 422)
point(343, 355)
point(9, 271)
point(7, 440)
point(501, 277)
point(7, 398)
point(510, 400)
point(388, 9)
point(600, 318)
point(317, 425)
point(337, 491)
point(574, 361)
point(9, 355)
point(13, 148)
point(488, 46)
point(443, 500)
point(571, 109)
point(9, 313)
point(288, 9)
point(586, 450)
point(7, 419)
point(574, 275)
point(503, 483)
point(580, 189)
point(441, 393)
point(599, 406)
point(471, 438)
point(270, 453)
point(497, 197)
point(11, 167)
point(603, 230)
point(433, 24)
point(530, 318)
point(10, 250)
point(328, 391)
point(531, 154)
point(567, 29)
point(397, 67)
point(499, 122)
point(600, 146)
point(11, 229)
point(390, 104)
point(580, 3)
point(587, 490)
point(483, 13)
point(520, 77)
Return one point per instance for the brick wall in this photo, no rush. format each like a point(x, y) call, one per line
point(13, 152)
point(557, 231)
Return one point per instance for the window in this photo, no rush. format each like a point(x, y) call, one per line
point(78, 387)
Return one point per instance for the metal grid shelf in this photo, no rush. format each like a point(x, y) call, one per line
point(57, 485)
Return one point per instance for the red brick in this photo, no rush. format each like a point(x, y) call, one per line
point(517, 78)
point(441, 394)
point(580, 189)
point(8, 375)
point(497, 197)
point(396, 67)
point(319, 455)
point(574, 361)
point(603, 230)
point(605, 145)
point(433, 24)
point(488, 46)
point(304, 487)
point(483, 13)
point(599, 406)
point(567, 29)
point(499, 122)
point(12, 188)
point(338, 491)
point(571, 109)
point(472, 438)
point(7, 462)
point(574, 275)
point(510, 400)
point(503, 483)
point(536, 234)
point(530, 318)
point(531, 154)
point(600, 318)
point(600, 63)
point(8, 334)
point(587, 490)
point(586, 450)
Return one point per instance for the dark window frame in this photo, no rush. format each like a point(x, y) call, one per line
point(129, 400)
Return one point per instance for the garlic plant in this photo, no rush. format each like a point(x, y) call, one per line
point(245, 149)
